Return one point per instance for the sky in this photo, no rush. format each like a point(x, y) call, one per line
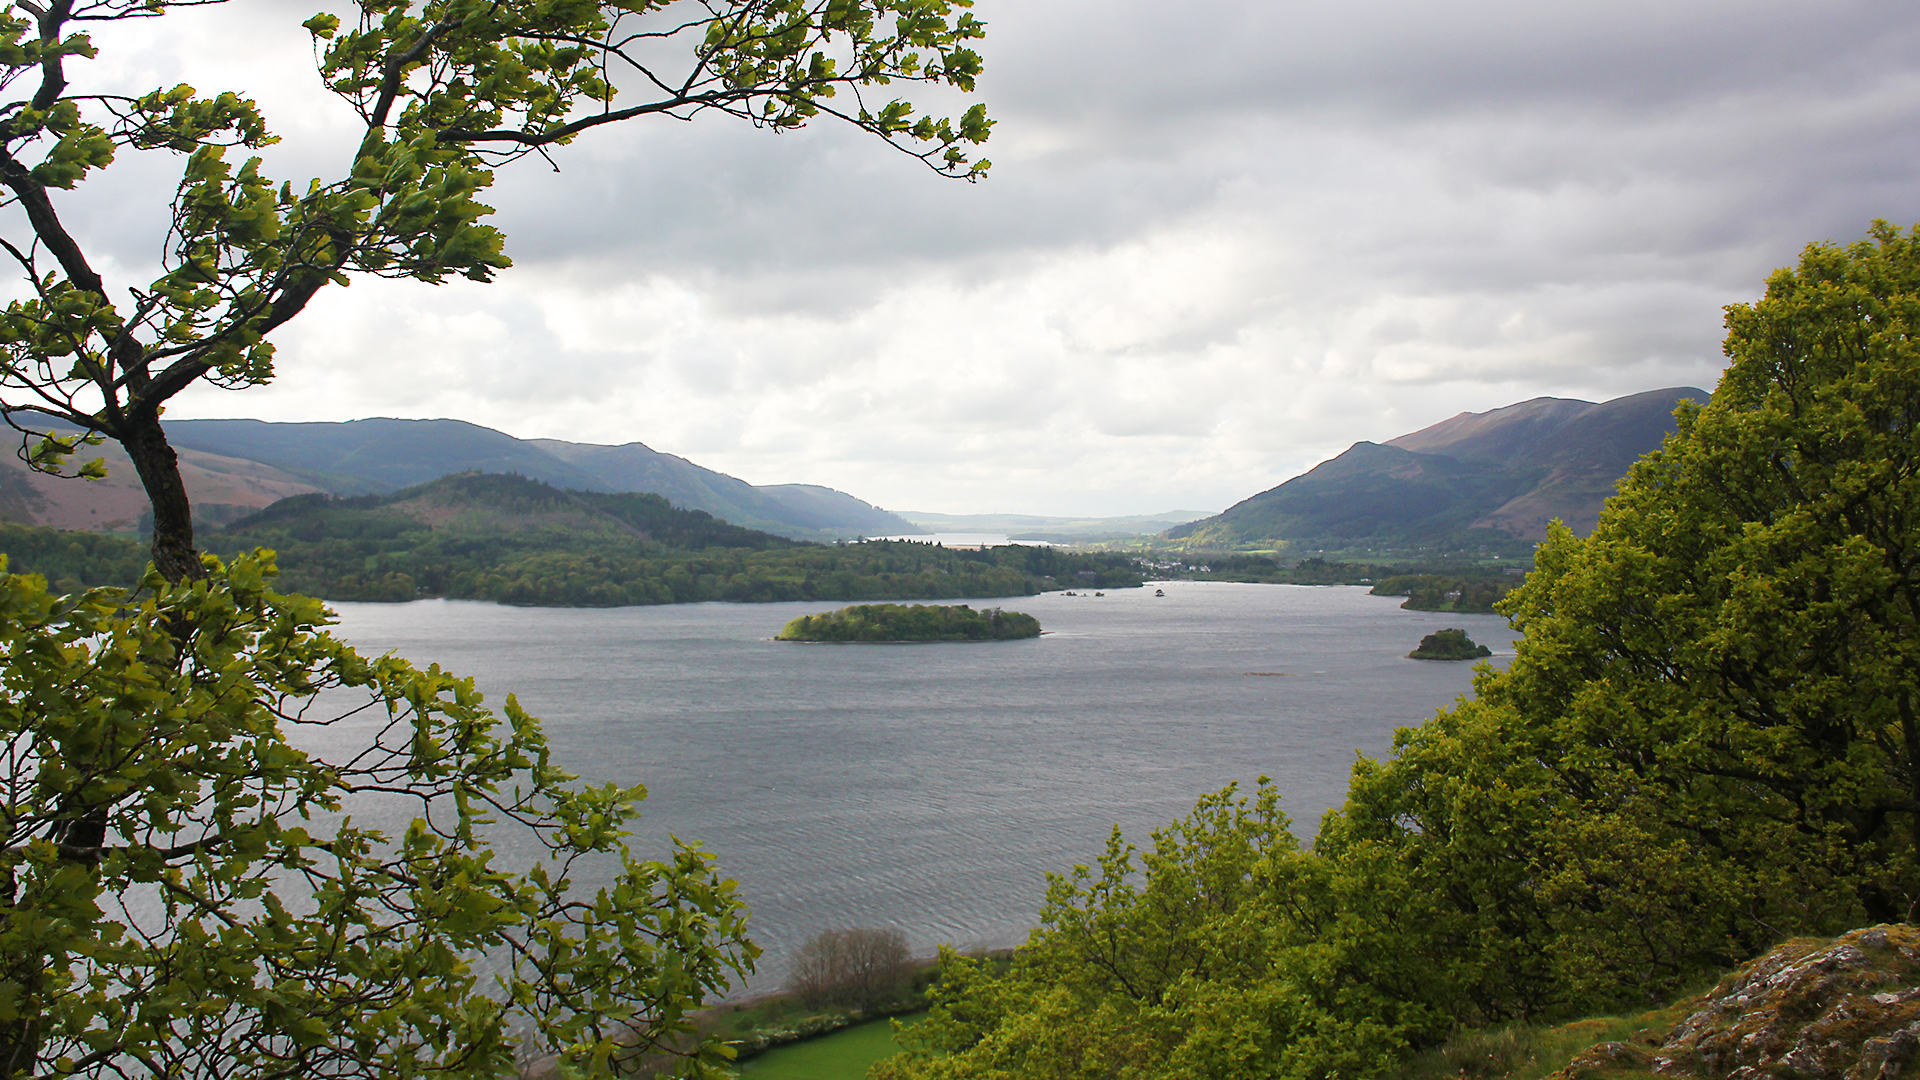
point(1221, 241)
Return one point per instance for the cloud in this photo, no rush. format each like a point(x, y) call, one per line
point(1218, 245)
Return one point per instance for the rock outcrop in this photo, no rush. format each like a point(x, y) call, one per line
point(1843, 1009)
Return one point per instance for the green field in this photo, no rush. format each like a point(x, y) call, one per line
point(843, 1055)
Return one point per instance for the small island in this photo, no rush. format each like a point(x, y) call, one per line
point(1449, 645)
point(882, 624)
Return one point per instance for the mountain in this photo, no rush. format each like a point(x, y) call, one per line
point(803, 511)
point(233, 467)
point(1491, 476)
point(366, 457)
point(222, 488)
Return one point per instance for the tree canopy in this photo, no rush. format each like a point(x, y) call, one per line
point(1705, 742)
point(185, 889)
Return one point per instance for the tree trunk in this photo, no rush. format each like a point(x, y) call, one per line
point(159, 468)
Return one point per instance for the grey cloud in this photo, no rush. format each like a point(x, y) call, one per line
point(1218, 242)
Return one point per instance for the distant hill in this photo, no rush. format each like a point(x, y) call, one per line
point(1497, 475)
point(1053, 530)
point(802, 511)
point(222, 488)
point(233, 467)
point(511, 539)
point(361, 457)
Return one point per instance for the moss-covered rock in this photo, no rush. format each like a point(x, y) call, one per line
point(1840, 1009)
point(1847, 1008)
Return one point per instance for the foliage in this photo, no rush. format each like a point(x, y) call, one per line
point(919, 622)
point(1449, 644)
point(860, 968)
point(184, 889)
point(1707, 739)
point(72, 560)
point(1207, 957)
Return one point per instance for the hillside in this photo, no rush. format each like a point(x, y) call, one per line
point(233, 467)
point(1491, 477)
point(515, 540)
point(378, 455)
point(803, 511)
point(222, 488)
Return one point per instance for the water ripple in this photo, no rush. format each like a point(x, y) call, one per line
point(932, 788)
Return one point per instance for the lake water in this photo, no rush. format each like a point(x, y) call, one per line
point(965, 539)
point(930, 788)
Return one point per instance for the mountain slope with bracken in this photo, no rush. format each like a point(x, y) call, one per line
point(235, 467)
point(1500, 475)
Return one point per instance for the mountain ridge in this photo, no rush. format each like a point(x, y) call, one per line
point(1489, 477)
point(233, 467)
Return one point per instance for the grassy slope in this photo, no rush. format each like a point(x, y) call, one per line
point(1521, 1052)
point(844, 1055)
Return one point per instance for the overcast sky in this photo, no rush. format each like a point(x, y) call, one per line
point(1222, 240)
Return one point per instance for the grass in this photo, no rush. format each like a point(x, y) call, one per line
point(1525, 1052)
point(844, 1055)
point(759, 1014)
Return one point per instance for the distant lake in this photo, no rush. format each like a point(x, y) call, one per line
point(931, 787)
point(964, 539)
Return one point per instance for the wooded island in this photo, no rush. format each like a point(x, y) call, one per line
point(1449, 645)
point(895, 623)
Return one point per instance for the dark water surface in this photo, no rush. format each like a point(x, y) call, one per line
point(931, 787)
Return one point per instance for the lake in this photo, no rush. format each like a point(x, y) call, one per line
point(930, 788)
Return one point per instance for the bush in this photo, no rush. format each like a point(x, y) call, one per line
point(861, 969)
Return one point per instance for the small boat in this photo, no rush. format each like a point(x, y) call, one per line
point(1099, 594)
point(1159, 592)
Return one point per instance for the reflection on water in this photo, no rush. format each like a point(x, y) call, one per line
point(931, 787)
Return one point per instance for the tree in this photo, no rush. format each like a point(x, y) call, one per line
point(860, 968)
point(1223, 952)
point(180, 893)
point(184, 891)
point(1707, 739)
point(445, 91)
